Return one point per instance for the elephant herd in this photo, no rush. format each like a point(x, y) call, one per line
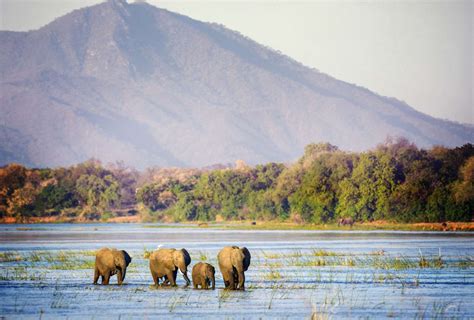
point(164, 264)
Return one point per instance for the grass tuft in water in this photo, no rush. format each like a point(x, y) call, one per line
point(147, 253)
point(273, 275)
point(323, 253)
point(202, 256)
point(10, 256)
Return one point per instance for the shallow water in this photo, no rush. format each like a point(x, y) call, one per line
point(46, 272)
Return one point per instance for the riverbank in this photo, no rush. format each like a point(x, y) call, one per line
point(375, 225)
point(264, 225)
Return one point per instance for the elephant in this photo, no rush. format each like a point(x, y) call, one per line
point(164, 263)
point(233, 262)
point(204, 275)
point(345, 222)
point(109, 262)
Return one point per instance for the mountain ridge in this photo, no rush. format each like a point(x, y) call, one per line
point(132, 82)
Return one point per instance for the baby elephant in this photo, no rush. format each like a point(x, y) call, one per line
point(203, 275)
point(109, 262)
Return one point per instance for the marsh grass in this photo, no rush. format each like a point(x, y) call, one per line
point(10, 256)
point(376, 260)
point(146, 253)
point(387, 262)
point(173, 302)
point(273, 264)
point(277, 294)
point(90, 253)
point(323, 253)
point(59, 301)
point(349, 262)
point(203, 256)
point(294, 254)
point(21, 273)
point(318, 315)
point(224, 296)
point(465, 263)
point(73, 265)
point(35, 256)
point(273, 275)
point(66, 260)
point(267, 255)
point(62, 257)
point(320, 262)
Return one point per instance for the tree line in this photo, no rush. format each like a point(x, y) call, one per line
point(396, 181)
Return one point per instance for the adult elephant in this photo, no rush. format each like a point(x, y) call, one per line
point(233, 262)
point(164, 263)
point(109, 262)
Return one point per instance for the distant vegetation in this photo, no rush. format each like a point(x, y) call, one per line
point(396, 181)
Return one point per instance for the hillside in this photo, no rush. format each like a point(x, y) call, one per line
point(133, 82)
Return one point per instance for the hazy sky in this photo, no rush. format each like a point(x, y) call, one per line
point(417, 51)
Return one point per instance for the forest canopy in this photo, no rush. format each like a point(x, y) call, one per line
point(396, 181)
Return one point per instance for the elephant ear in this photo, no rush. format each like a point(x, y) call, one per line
point(187, 257)
point(127, 257)
point(247, 256)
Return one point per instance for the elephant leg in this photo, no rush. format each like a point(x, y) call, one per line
point(119, 277)
point(102, 279)
point(226, 277)
point(106, 278)
point(96, 275)
point(236, 279)
point(175, 274)
point(239, 279)
point(171, 278)
point(156, 280)
point(241, 285)
point(230, 280)
point(205, 283)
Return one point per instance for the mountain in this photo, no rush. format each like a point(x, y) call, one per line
point(133, 82)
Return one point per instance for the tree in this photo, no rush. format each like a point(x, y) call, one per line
point(98, 193)
point(12, 177)
point(365, 195)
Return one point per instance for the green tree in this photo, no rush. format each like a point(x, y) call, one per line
point(366, 194)
point(98, 193)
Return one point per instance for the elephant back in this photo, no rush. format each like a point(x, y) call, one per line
point(163, 256)
point(105, 257)
point(224, 256)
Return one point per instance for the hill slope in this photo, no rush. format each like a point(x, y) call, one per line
point(132, 82)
